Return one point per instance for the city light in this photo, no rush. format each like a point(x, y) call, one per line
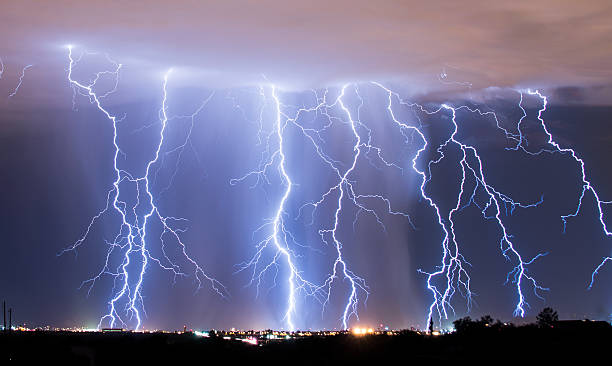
point(362, 331)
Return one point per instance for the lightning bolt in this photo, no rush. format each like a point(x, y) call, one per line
point(21, 76)
point(187, 142)
point(355, 281)
point(346, 191)
point(131, 240)
point(586, 184)
point(281, 239)
point(129, 253)
point(453, 267)
point(596, 270)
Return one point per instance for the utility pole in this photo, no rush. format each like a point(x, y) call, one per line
point(10, 319)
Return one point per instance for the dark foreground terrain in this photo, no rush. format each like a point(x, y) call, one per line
point(580, 344)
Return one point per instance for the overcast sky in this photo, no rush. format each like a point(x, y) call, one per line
point(315, 43)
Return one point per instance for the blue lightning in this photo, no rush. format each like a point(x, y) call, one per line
point(132, 242)
point(586, 184)
point(356, 283)
point(180, 149)
point(132, 236)
point(453, 270)
point(21, 76)
point(596, 270)
point(281, 238)
point(346, 191)
point(454, 265)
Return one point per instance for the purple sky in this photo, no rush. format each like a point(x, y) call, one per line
point(57, 160)
point(315, 43)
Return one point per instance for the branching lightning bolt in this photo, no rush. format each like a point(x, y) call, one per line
point(21, 76)
point(346, 191)
point(454, 265)
point(586, 184)
point(132, 243)
point(281, 237)
point(131, 240)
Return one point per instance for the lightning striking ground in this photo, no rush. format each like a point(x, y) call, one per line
point(344, 190)
point(452, 275)
point(586, 184)
point(129, 254)
point(130, 250)
point(453, 267)
point(279, 237)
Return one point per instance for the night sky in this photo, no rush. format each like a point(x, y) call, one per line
point(56, 157)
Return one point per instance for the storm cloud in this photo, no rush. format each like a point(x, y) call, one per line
point(433, 45)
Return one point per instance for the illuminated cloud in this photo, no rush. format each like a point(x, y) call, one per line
point(314, 43)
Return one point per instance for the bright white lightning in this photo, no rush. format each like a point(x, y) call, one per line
point(131, 239)
point(453, 265)
point(180, 149)
point(586, 184)
point(344, 188)
point(354, 281)
point(277, 222)
point(279, 237)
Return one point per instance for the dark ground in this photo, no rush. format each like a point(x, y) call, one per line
point(523, 345)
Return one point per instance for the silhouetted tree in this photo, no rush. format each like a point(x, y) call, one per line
point(547, 318)
point(431, 326)
point(467, 324)
point(486, 320)
point(464, 324)
point(497, 325)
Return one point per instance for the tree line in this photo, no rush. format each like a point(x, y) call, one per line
point(545, 319)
